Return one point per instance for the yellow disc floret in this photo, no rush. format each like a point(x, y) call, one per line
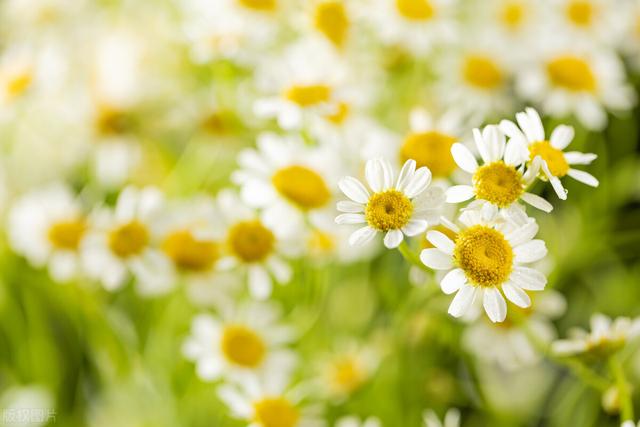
point(431, 149)
point(189, 253)
point(251, 241)
point(498, 183)
point(67, 234)
point(346, 374)
point(581, 12)
point(415, 10)
point(388, 210)
point(330, 18)
point(482, 72)
point(512, 14)
point(259, 5)
point(571, 73)
point(555, 159)
point(301, 186)
point(275, 412)
point(129, 239)
point(242, 346)
point(308, 95)
point(484, 255)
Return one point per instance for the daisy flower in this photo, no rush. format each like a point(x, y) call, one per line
point(329, 19)
point(252, 246)
point(269, 402)
point(405, 207)
point(630, 423)
point(485, 257)
point(414, 25)
point(451, 419)
point(347, 370)
point(47, 226)
point(570, 80)
point(557, 163)
point(121, 242)
point(246, 340)
point(499, 182)
point(606, 336)
point(353, 421)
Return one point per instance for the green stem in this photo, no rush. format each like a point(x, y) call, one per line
point(411, 256)
point(626, 404)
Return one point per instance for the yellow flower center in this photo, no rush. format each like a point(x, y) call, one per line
point(512, 15)
point(498, 183)
point(18, 84)
point(441, 228)
point(275, 412)
point(308, 95)
point(581, 12)
point(484, 255)
point(330, 18)
point(415, 10)
point(112, 121)
point(571, 73)
point(188, 253)
point(259, 5)
point(558, 165)
point(301, 186)
point(340, 115)
point(431, 149)
point(346, 374)
point(242, 346)
point(67, 234)
point(388, 210)
point(482, 72)
point(129, 239)
point(250, 241)
point(321, 242)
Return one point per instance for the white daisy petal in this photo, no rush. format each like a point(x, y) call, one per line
point(516, 295)
point(459, 193)
point(481, 146)
point(583, 177)
point(537, 202)
point(418, 182)
point(441, 241)
point(511, 129)
point(349, 207)
point(463, 300)
point(406, 173)
point(374, 175)
point(522, 234)
point(531, 251)
point(393, 238)
point(516, 152)
point(561, 137)
point(535, 124)
point(387, 174)
point(464, 158)
point(555, 182)
point(494, 304)
point(350, 218)
point(528, 279)
point(259, 282)
point(577, 158)
point(353, 189)
point(361, 236)
point(415, 227)
point(453, 281)
point(436, 259)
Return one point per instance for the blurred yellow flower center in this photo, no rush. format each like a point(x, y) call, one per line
point(512, 15)
point(441, 228)
point(301, 186)
point(275, 412)
point(188, 253)
point(572, 73)
point(308, 95)
point(242, 346)
point(112, 121)
point(16, 85)
point(250, 241)
point(484, 255)
point(416, 10)
point(341, 113)
point(346, 374)
point(259, 5)
point(321, 242)
point(388, 210)
point(129, 239)
point(558, 165)
point(431, 149)
point(581, 12)
point(498, 183)
point(67, 234)
point(330, 18)
point(482, 72)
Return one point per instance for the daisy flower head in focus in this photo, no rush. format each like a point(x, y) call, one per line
point(451, 419)
point(500, 181)
point(270, 401)
point(252, 247)
point(530, 132)
point(404, 207)
point(566, 80)
point(353, 421)
point(413, 25)
point(607, 336)
point(486, 259)
point(47, 227)
point(308, 77)
point(287, 179)
point(243, 340)
point(121, 242)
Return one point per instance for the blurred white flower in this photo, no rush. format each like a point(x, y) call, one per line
point(353, 421)
point(451, 419)
point(27, 406)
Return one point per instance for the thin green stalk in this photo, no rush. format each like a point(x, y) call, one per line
point(626, 404)
point(411, 256)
